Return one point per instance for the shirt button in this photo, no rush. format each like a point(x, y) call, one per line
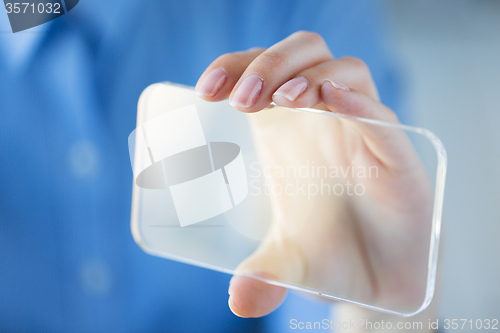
point(96, 277)
point(83, 158)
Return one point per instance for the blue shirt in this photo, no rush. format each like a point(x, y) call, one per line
point(68, 96)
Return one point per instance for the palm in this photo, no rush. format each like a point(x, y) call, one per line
point(369, 245)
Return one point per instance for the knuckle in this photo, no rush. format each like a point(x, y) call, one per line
point(361, 76)
point(271, 59)
point(257, 49)
point(358, 64)
point(361, 71)
point(391, 116)
point(326, 69)
point(310, 36)
point(239, 56)
point(226, 57)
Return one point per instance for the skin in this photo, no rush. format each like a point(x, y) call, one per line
point(383, 261)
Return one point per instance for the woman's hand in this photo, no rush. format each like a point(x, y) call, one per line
point(372, 248)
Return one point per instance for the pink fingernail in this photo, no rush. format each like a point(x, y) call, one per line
point(338, 86)
point(247, 92)
point(293, 88)
point(212, 83)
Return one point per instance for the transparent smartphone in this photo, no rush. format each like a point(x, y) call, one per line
point(336, 206)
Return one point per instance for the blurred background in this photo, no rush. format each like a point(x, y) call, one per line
point(449, 54)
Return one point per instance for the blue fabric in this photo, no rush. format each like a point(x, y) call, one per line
point(68, 262)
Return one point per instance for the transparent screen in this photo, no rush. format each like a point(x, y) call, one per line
point(337, 206)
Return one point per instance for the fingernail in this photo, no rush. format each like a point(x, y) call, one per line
point(293, 88)
point(212, 83)
point(247, 92)
point(338, 86)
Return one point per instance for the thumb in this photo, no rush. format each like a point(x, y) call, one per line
point(275, 260)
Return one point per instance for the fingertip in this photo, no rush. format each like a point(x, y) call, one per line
point(247, 94)
point(282, 100)
point(336, 85)
point(297, 93)
point(292, 89)
point(340, 98)
point(252, 298)
point(332, 92)
point(234, 308)
point(211, 84)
